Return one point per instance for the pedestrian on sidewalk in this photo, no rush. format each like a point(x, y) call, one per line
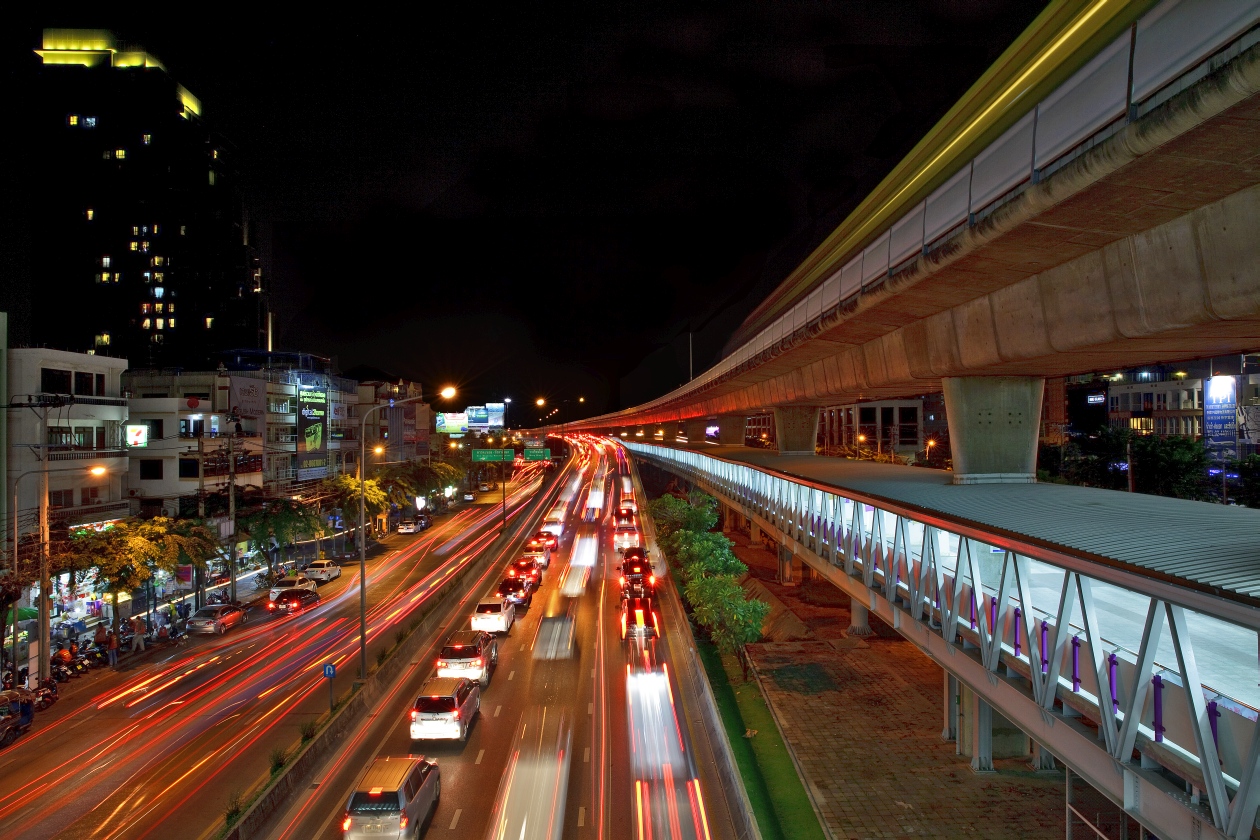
point(112, 645)
point(138, 629)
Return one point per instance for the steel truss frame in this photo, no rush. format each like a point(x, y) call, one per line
point(930, 579)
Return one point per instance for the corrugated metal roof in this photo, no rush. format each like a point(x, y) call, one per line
point(1209, 546)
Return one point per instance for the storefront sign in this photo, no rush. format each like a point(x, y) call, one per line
point(137, 434)
point(1220, 419)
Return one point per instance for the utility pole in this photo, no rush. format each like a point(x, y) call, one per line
point(199, 583)
point(45, 585)
point(232, 515)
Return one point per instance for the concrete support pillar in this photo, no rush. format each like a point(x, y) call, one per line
point(949, 723)
point(796, 429)
point(1041, 760)
point(981, 735)
point(731, 430)
point(788, 563)
point(694, 429)
point(754, 533)
point(994, 422)
point(859, 618)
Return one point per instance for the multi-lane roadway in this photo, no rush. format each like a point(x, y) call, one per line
point(612, 705)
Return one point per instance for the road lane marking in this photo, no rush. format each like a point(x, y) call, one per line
point(586, 756)
point(455, 821)
point(497, 709)
point(480, 755)
point(522, 647)
point(581, 816)
point(590, 708)
point(510, 675)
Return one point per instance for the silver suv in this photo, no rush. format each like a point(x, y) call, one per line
point(393, 799)
point(445, 709)
point(469, 653)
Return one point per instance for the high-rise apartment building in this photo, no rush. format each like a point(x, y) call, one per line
point(139, 243)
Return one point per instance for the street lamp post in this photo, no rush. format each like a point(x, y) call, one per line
point(362, 538)
point(45, 585)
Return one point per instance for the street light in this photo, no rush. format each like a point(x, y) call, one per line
point(45, 585)
point(861, 439)
point(507, 404)
point(362, 522)
point(540, 402)
point(379, 450)
point(446, 392)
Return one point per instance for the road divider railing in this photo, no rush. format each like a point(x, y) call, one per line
point(258, 807)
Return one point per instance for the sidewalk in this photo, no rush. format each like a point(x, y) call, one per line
point(863, 719)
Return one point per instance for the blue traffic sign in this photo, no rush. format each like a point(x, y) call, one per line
point(330, 670)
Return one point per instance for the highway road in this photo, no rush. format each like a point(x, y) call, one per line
point(630, 772)
point(158, 749)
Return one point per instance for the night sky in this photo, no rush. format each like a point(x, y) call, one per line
point(545, 199)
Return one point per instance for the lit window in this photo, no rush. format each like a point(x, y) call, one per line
point(156, 338)
point(147, 138)
point(183, 230)
point(144, 246)
point(170, 308)
point(158, 277)
point(134, 245)
point(91, 214)
point(117, 276)
point(73, 119)
point(161, 323)
point(103, 277)
point(215, 155)
point(148, 276)
point(158, 307)
point(120, 154)
point(102, 340)
point(144, 325)
point(159, 260)
point(155, 230)
point(145, 307)
point(108, 154)
point(209, 323)
point(104, 262)
point(212, 177)
point(135, 230)
point(89, 122)
point(171, 323)
point(145, 230)
point(158, 291)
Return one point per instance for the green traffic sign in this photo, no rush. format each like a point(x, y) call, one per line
point(537, 454)
point(493, 454)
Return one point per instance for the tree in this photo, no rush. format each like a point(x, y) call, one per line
point(704, 555)
point(282, 520)
point(344, 491)
point(1170, 466)
point(731, 619)
point(698, 513)
point(1248, 492)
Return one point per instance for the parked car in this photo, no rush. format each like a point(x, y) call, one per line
point(471, 654)
point(294, 601)
point(217, 619)
point(298, 581)
point(17, 713)
point(470, 496)
point(407, 526)
point(483, 487)
point(445, 709)
point(495, 614)
point(394, 798)
point(323, 571)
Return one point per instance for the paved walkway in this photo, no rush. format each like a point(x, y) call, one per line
point(863, 718)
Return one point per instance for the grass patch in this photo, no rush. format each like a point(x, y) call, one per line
point(778, 798)
point(309, 729)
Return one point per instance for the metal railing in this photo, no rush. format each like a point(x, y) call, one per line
point(1046, 638)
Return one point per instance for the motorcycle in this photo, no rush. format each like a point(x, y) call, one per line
point(8, 677)
point(45, 695)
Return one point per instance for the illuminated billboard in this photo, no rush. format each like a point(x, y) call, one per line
point(494, 415)
point(137, 434)
point(478, 418)
point(452, 422)
point(312, 431)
